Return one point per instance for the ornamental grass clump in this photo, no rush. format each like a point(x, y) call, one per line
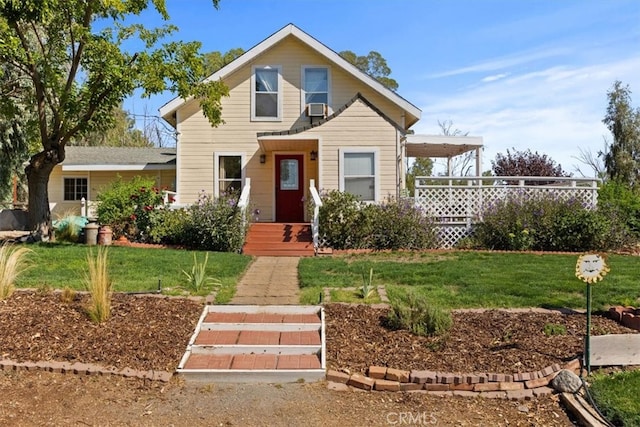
point(197, 279)
point(99, 285)
point(414, 313)
point(12, 263)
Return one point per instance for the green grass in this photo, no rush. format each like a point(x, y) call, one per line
point(58, 266)
point(616, 397)
point(477, 279)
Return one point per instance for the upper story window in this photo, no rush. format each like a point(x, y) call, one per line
point(266, 94)
point(315, 85)
point(76, 188)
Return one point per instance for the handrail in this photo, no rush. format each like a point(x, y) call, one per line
point(244, 200)
point(315, 222)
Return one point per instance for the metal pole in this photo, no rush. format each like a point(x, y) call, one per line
point(587, 341)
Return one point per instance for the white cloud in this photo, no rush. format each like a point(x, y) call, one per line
point(494, 77)
point(556, 110)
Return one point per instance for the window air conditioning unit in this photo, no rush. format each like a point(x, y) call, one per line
point(316, 110)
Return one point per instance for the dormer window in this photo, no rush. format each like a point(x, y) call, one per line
point(315, 85)
point(266, 96)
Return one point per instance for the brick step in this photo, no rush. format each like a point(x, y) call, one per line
point(271, 238)
point(280, 245)
point(256, 344)
point(253, 362)
point(282, 253)
point(240, 317)
point(257, 337)
point(277, 239)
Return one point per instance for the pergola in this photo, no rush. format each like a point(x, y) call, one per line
point(440, 146)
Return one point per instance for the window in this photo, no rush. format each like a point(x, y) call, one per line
point(75, 188)
point(228, 173)
point(359, 174)
point(315, 82)
point(266, 93)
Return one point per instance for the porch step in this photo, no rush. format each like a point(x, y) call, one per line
point(256, 344)
point(279, 239)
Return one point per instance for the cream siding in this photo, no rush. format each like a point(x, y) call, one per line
point(357, 126)
point(97, 181)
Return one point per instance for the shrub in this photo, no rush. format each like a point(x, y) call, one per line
point(617, 200)
point(99, 285)
point(342, 222)
point(128, 207)
point(414, 313)
point(347, 223)
point(12, 263)
point(215, 224)
point(398, 224)
point(542, 223)
point(168, 226)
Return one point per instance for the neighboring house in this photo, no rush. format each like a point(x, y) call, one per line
point(297, 112)
point(87, 170)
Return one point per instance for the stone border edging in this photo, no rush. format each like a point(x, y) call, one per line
point(84, 369)
point(626, 316)
point(518, 386)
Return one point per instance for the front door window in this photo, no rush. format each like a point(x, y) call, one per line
point(289, 174)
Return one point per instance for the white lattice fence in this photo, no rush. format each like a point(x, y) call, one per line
point(457, 204)
point(450, 234)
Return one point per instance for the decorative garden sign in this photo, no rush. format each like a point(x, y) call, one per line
point(590, 268)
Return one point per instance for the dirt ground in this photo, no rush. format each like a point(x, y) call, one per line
point(152, 333)
point(47, 399)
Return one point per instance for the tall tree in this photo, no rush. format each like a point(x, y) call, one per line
point(120, 132)
point(460, 165)
point(526, 163)
point(374, 65)
point(215, 60)
point(421, 166)
point(622, 160)
point(77, 57)
point(17, 132)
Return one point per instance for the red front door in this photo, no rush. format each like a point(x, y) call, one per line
point(289, 188)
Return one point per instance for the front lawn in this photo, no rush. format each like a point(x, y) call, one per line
point(616, 397)
point(476, 279)
point(132, 269)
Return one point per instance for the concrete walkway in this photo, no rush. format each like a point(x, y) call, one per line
point(269, 281)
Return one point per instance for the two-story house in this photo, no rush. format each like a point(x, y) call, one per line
point(296, 112)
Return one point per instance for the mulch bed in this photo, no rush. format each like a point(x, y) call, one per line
point(152, 333)
point(491, 341)
point(143, 332)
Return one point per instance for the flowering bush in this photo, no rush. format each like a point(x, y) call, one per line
point(214, 224)
point(544, 223)
point(347, 223)
point(128, 207)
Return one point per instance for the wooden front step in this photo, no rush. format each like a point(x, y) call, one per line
point(278, 239)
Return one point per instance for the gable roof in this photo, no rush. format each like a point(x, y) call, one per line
point(358, 96)
point(167, 110)
point(118, 158)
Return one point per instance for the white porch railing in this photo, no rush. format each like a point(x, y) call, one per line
point(315, 221)
point(245, 200)
point(457, 202)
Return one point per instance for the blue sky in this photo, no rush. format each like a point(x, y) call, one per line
point(522, 74)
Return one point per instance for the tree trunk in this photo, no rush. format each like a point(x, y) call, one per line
point(38, 172)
